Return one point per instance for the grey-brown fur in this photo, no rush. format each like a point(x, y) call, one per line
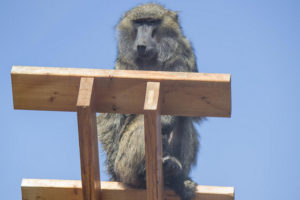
point(150, 38)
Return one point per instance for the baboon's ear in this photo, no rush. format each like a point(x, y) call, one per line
point(174, 15)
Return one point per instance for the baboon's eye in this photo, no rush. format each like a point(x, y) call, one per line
point(153, 32)
point(148, 21)
point(152, 22)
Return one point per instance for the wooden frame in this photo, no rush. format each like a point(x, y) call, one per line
point(87, 91)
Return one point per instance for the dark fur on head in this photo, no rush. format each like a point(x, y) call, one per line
point(174, 50)
point(150, 38)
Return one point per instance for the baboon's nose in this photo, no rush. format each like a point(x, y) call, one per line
point(141, 49)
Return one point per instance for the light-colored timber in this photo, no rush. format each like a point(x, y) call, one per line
point(88, 140)
point(122, 91)
point(45, 189)
point(87, 91)
point(153, 142)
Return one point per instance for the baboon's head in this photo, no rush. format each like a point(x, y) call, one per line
point(147, 34)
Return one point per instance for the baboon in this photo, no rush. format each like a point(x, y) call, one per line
point(150, 38)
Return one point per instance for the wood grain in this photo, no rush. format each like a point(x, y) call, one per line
point(88, 141)
point(122, 91)
point(153, 142)
point(45, 189)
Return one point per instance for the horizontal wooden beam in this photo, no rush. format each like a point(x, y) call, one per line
point(33, 189)
point(122, 91)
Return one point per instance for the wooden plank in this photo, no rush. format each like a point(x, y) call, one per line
point(153, 142)
point(122, 91)
point(46, 189)
point(88, 142)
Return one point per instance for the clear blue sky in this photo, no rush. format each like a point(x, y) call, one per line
point(257, 150)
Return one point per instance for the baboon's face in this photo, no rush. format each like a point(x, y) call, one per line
point(145, 45)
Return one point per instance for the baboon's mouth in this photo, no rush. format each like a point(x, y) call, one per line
point(143, 55)
point(146, 55)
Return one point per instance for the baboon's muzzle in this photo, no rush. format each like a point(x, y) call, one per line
point(144, 43)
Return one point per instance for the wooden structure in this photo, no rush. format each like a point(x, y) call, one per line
point(87, 91)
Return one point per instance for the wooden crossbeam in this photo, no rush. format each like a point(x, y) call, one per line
point(71, 190)
point(122, 91)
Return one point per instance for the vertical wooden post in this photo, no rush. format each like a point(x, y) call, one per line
point(88, 141)
point(153, 142)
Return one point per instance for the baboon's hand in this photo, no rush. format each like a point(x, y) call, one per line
point(172, 166)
